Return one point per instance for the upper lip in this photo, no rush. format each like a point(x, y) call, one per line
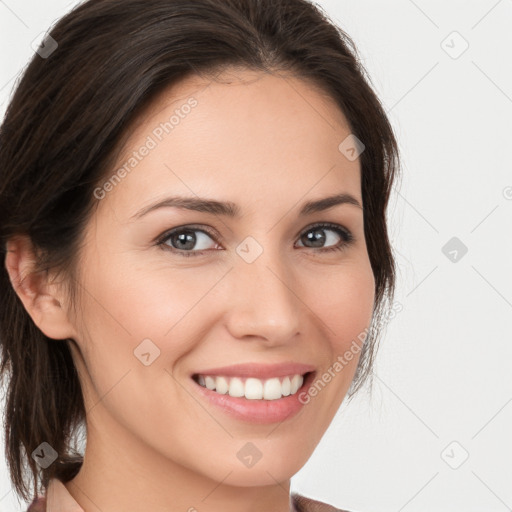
point(261, 371)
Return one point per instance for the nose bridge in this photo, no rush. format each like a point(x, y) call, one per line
point(265, 302)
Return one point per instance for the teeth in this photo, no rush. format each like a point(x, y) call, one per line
point(209, 382)
point(286, 386)
point(221, 385)
point(296, 383)
point(252, 388)
point(236, 387)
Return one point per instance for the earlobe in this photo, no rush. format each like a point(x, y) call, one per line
point(41, 299)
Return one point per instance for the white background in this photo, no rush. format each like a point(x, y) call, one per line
point(443, 370)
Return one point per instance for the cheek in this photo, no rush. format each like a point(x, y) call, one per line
point(142, 325)
point(345, 303)
point(135, 332)
point(344, 309)
point(146, 302)
point(349, 315)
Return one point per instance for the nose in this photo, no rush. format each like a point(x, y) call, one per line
point(264, 301)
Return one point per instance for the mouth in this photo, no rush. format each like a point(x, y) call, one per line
point(254, 388)
point(254, 400)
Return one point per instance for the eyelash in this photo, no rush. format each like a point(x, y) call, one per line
point(347, 238)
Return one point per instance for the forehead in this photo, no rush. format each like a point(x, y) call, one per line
point(244, 134)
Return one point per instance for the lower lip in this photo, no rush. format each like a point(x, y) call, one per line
point(257, 411)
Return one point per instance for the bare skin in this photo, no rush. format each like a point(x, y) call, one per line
point(267, 143)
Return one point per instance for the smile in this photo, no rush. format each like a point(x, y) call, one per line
point(252, 388)
point(254, 400)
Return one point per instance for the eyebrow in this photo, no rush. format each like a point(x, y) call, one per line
point(232, 210)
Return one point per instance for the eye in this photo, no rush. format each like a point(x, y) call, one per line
point(183, 239)
point(316, 236)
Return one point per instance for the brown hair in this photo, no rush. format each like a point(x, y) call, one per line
point(60, 137)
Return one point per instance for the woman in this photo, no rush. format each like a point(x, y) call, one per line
point(193, 218)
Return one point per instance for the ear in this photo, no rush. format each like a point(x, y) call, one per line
point(42, 299)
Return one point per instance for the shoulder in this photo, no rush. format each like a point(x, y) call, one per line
point(300, 503)
point(38, 505)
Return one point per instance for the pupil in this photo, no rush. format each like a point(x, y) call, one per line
point(318, 238)
point(184, 238)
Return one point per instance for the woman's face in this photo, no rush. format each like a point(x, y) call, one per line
point(261, 287)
